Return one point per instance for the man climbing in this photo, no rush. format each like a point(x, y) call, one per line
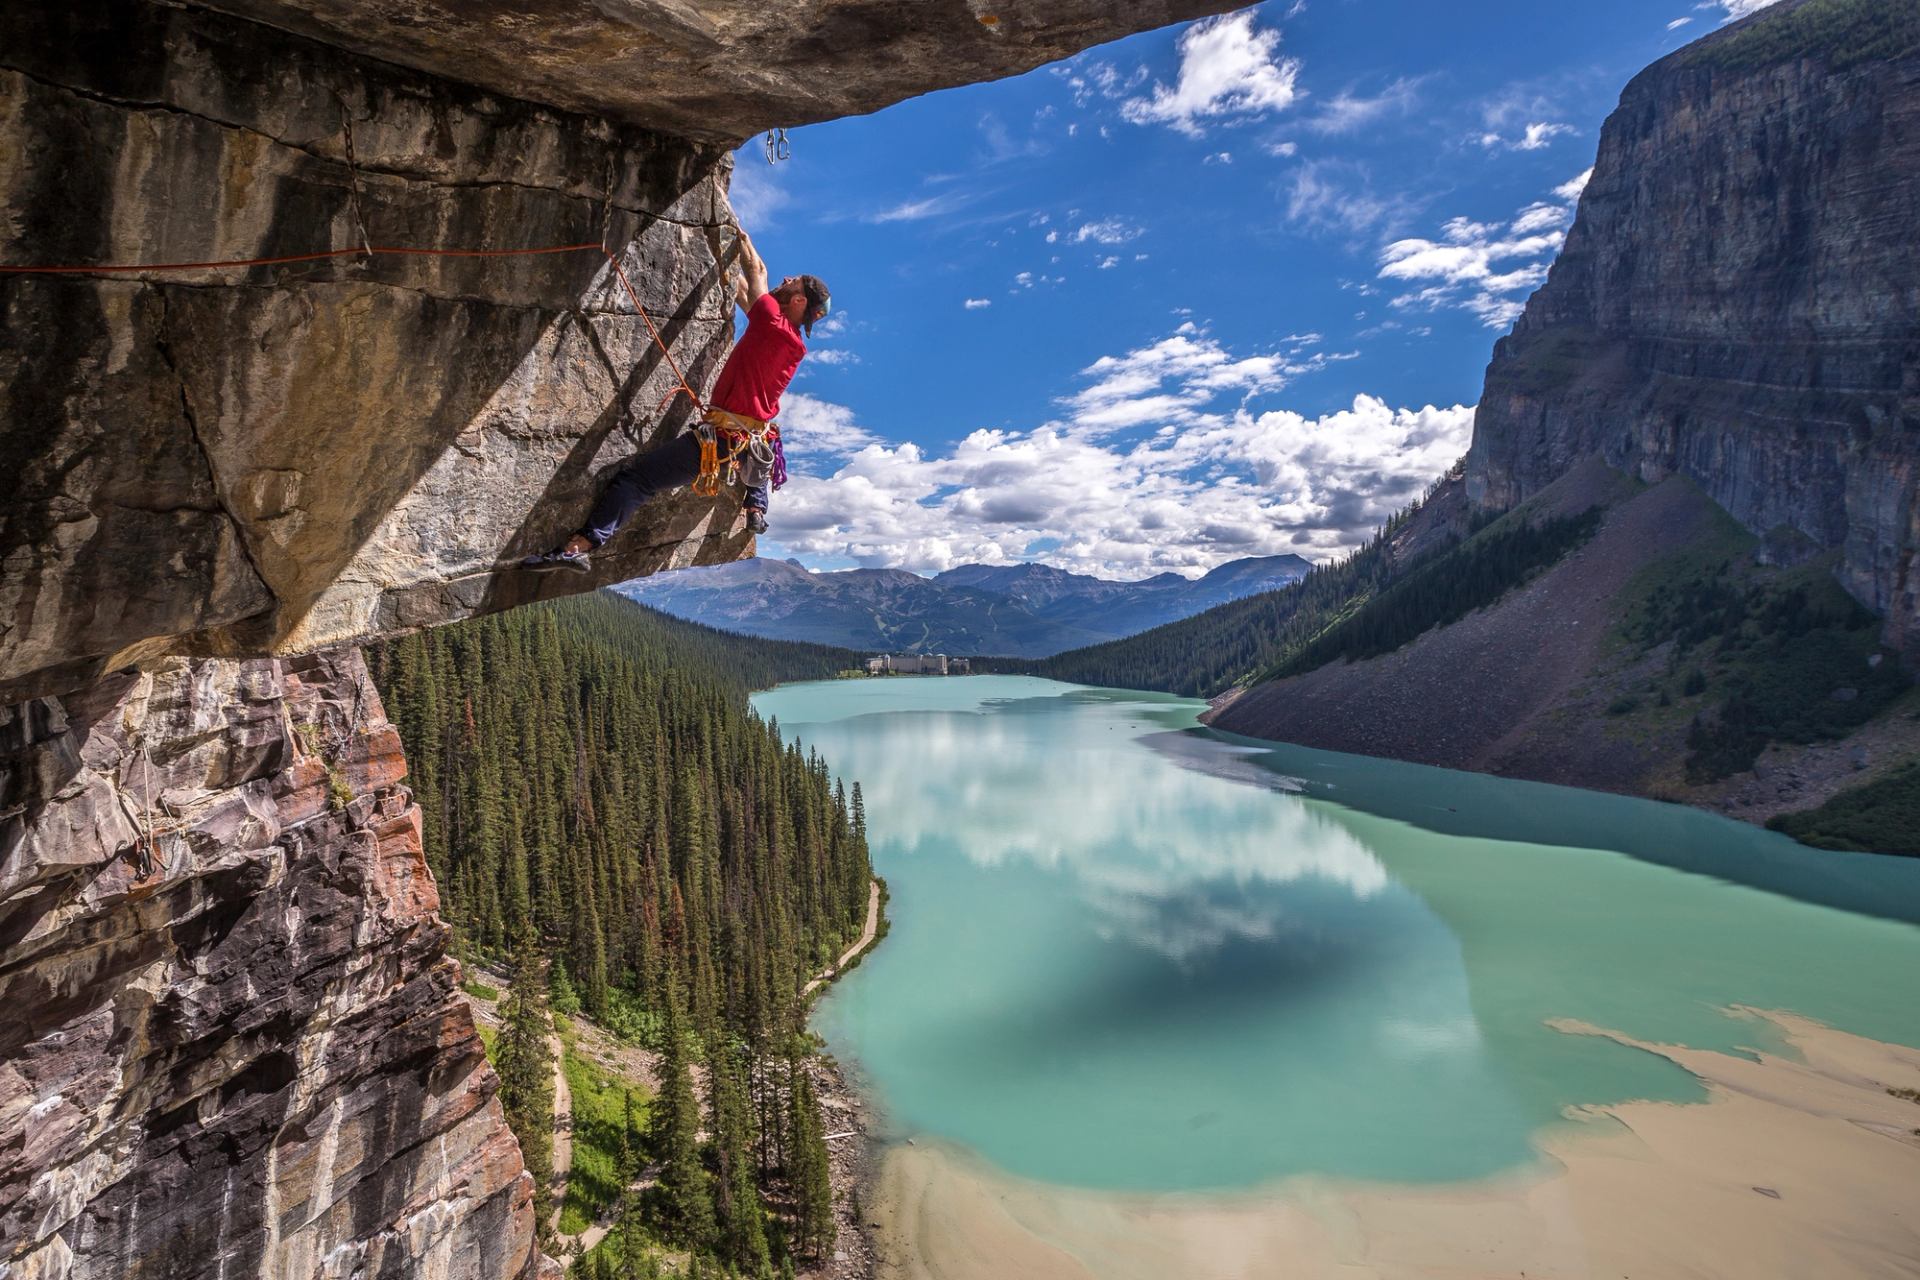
point(737, 432)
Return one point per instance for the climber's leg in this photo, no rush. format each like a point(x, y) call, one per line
point(639, 480)
point(643, 478)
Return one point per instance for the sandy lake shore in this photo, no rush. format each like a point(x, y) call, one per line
point(1806, 1168)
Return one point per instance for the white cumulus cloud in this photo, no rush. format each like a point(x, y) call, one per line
point(1106, 231)
point(1570, 189)
point(1483, 268)
point(1159, 461)
point(1737, 8)
point(974, 304)
point(1227, 71)
point(1536, 135)
point(818, 429)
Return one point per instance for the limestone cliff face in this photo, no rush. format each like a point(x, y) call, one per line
point(721, 70)
point(276, 459)
point(232, 1044)
point(1739, 302)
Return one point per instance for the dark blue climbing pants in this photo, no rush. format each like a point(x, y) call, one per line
point(646, 476)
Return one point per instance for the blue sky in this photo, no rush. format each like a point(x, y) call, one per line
point(1221, 290)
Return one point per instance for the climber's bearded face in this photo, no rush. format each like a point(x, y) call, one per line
point(792, 297)
point(803, 300)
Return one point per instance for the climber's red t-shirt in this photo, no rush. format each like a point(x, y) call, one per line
point(762, 363)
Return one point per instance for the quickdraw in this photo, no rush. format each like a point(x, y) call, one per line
point(147, 851)
point(742, 437)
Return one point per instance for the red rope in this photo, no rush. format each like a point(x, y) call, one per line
point(657, 340)
point(384, 251)
point(387, 250)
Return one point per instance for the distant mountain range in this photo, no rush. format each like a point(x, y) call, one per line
point(1021, 610)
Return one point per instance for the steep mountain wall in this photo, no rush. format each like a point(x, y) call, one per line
point(1738, 300)
point(232, 1043)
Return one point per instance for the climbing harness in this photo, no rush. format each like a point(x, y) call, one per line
point(754, 455)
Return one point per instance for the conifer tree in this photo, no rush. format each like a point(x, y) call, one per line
point(674, 1134)
point(809, 1170)
point(524, 1063)
point(742, 1233)
point(628, 1156)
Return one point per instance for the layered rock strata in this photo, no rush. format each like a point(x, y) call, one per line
point(233, 1045)
point(1738, 301)
point(275, 459)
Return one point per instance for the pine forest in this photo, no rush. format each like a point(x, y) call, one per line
point(608, 819)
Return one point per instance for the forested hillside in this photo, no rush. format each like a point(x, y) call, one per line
point(1207, 654)
point(597, 794)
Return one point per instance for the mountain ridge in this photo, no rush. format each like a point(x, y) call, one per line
point(1026, 610)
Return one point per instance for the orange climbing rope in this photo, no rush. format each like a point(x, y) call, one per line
point(386, 251)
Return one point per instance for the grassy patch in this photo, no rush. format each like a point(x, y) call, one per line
point(488, 1038)
point(1882, 816)
point(480, 990)
point(599, 1119)
point(1840, 33)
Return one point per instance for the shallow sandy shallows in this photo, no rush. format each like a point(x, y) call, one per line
point(1791, 1169)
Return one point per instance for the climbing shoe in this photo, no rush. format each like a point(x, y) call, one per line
point(558, 559)
point(756, 521)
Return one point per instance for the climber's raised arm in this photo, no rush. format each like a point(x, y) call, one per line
point(751, 284)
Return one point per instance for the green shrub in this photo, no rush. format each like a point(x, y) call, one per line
point(1880, 817)
point(1786, 649)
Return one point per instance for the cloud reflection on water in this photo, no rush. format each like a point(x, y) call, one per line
point(1172, 860)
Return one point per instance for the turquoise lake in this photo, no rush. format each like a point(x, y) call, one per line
point(1131, 953)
